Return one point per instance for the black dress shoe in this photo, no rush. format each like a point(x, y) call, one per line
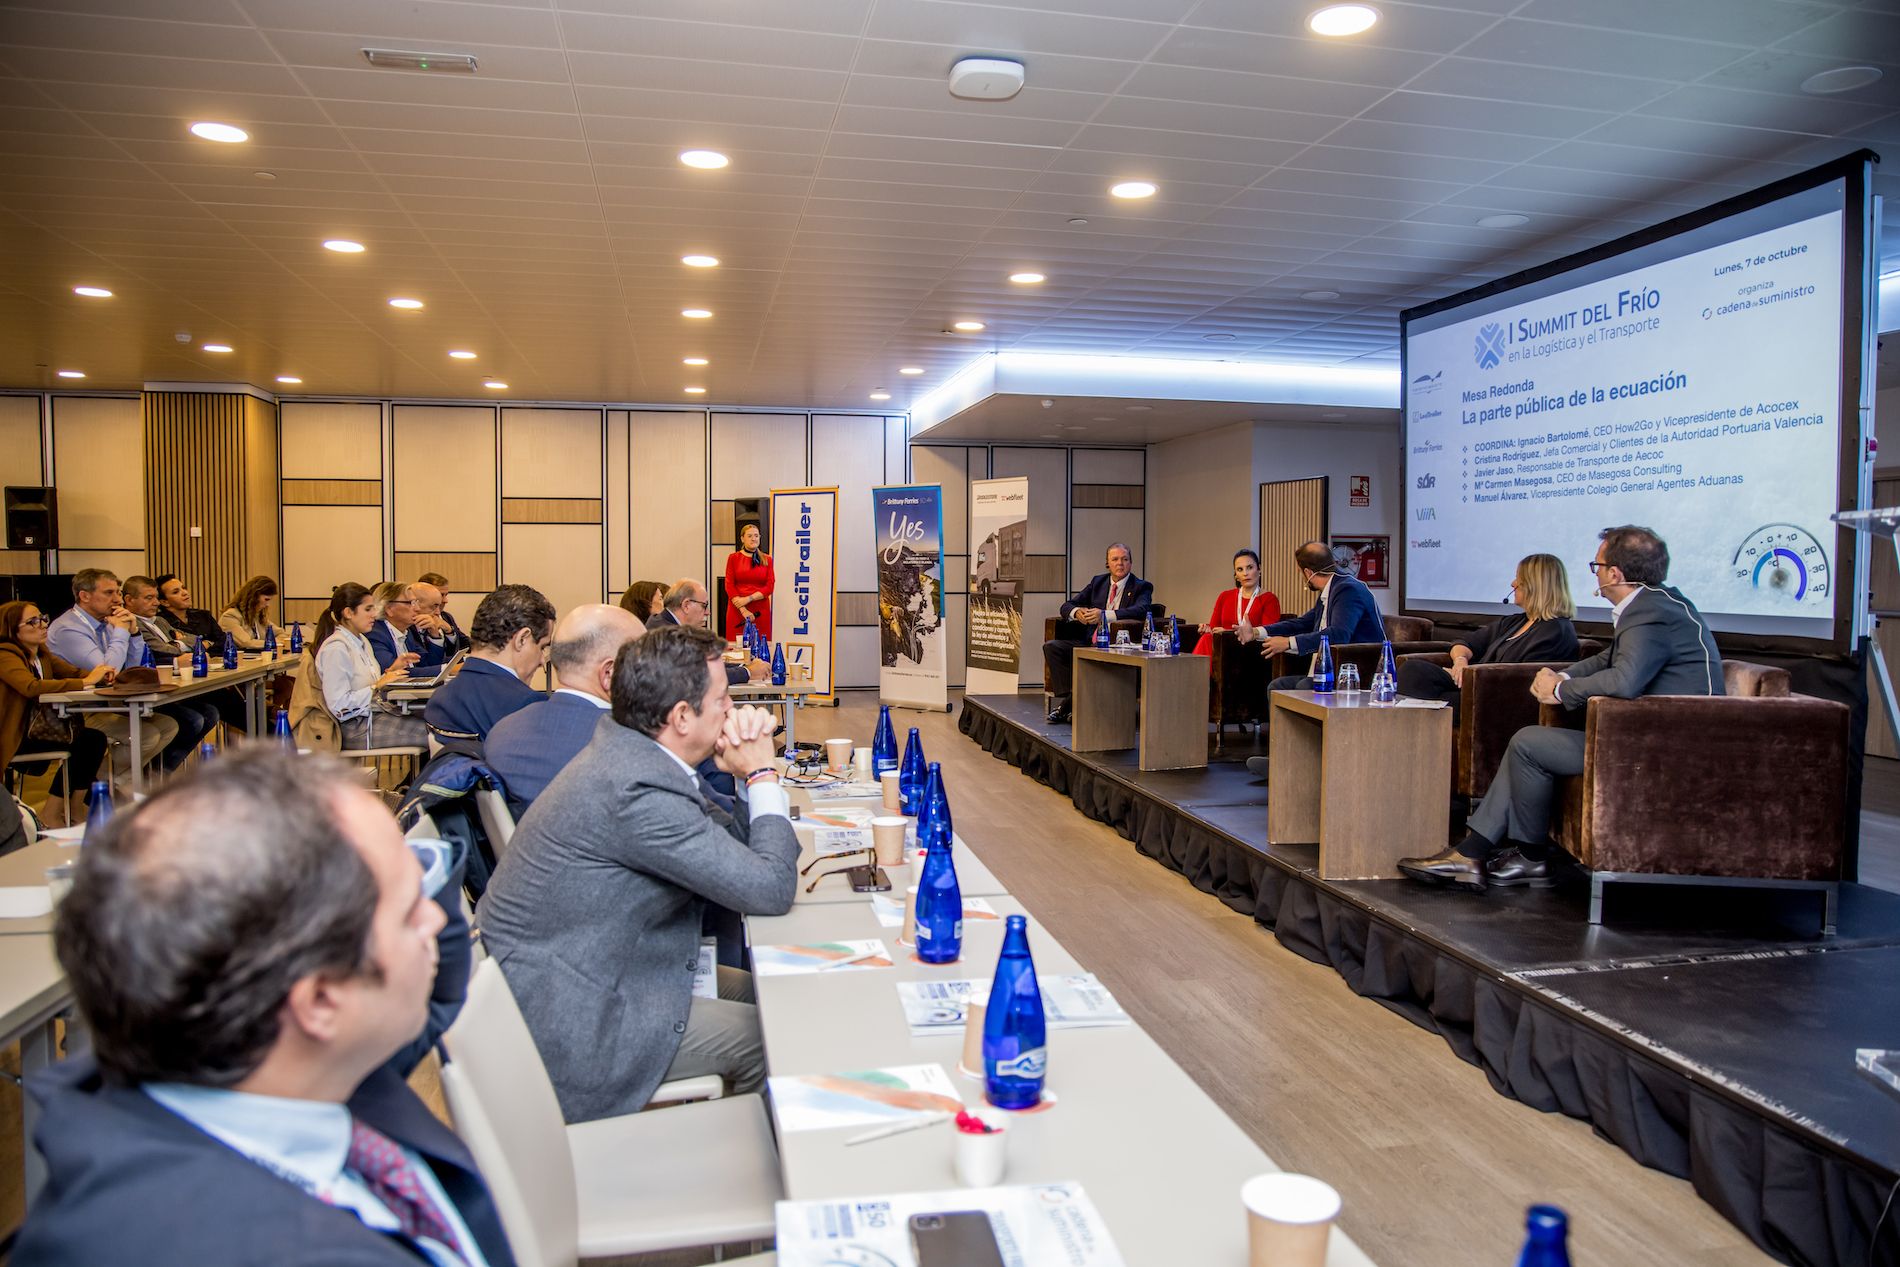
point(1510, 869)
point(1449, 867)
point(1059, 710)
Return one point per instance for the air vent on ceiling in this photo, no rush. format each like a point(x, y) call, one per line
point(396, 59)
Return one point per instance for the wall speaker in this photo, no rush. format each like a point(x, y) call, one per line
point(32, 518)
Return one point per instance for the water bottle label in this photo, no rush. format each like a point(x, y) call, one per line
point(923, 931)
point(958, 933)
point(1030, 1064)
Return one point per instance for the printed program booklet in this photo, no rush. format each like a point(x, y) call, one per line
point(1040, 1225)
point(1071, 1002)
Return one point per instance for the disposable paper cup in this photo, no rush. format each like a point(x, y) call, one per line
point(971, 1063)
point(59, 880)
point(837, 754)
point(1289, 1219)
point(907, 935)
point(887, 835)
point(893, 799)
point(861, 764)
point(981, 1158)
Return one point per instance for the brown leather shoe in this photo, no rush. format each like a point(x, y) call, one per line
point(1449, 867)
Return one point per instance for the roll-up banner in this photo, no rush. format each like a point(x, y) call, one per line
point(999, 525)
point(914, 662)
point(805, 595)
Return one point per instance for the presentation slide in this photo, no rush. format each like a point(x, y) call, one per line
point(1692, 385)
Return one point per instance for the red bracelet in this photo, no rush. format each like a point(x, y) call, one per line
point(760, 773)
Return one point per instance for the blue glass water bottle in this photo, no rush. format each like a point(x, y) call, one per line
point(883, 743)
point(1547, 1227)
point(911, 775)
point(207, 753)
point(1148, 632)
point(230, 652)
point(939, 897)
point(1388, 663)
point(1385, 683)
point(1101, 633)
point(1174, 635)
point(200, 661)
point(778, 664)
point(1323, 667)
point(1015, 1039)
point(99, 812)
point(145, 655)
point(270, 640)
point(280, 729)
point(296, 638)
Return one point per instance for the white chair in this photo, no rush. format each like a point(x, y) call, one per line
point(497, 821)
point(698, 1174)
point(58, 759)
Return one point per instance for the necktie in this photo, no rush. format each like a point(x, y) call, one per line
point(1114, 596)
point(379, 1162)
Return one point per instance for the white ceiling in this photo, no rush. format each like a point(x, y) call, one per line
point(539, 209)
point(1119, 420)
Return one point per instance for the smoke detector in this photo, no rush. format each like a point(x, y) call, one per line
point(986, 79)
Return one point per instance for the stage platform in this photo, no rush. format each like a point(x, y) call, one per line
point(1709, 1033)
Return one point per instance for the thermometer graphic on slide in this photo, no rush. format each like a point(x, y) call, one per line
point(1783, 560)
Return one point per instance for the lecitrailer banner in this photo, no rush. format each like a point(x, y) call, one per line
point(805, 597)
point(909, 538)
point(999, 525)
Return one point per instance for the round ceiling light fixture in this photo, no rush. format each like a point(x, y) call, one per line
point(912, 370)
point(72, 373)
point(705, 160)
point(495, 385)
point(1028, 279)
point(694, 391)
point(1134, 189)
point(695, 360)
point(92, 292)
point(1319, 296)
point(290, 379)
point(1336, 20)
point(696, 314)
point(217, 347)
point(1840, 79)
point(461, 354)
point(343, 246)
point(1219, 338)
point(966, 327)
point(223, 133)
point(700, 261)
point(880, 394)
point(405, 303)
point(1503, 220)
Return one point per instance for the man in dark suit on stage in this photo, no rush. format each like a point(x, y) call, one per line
point(1117, 593)
point(265, 1120)
point(1661, 646)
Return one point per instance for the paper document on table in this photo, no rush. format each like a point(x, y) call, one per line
point(25, 902)
point(67, 835)
point(840, 816)
point(890, 910)
point(1044, 1225)
point(829, 842)
point(1078, 1001)
point(845, 792)
point(846, 956)
point(873, 1097)
point(706, 975)
point(1403, 702)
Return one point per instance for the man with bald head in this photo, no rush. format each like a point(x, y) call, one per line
point(529, 747)
point(433, 636)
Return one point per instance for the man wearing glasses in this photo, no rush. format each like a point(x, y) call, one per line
point(1661, 646)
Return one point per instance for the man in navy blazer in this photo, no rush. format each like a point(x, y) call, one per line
point(1119, 594)
point(510, 635)
point(528, 748)
point(268, 1120)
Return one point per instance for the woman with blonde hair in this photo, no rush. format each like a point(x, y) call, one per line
point(1540, 633)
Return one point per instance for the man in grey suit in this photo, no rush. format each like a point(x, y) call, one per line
point(594, 915)
point(1661, 646)
point(527, 748)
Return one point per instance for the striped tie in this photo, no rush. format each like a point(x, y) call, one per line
point(380, 1163)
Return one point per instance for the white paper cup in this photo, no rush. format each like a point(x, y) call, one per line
point(893, 798)
point(970, 1065)
point(907, 935)
point(887, 836)
point(981, 1159)
point(837, 754)
point(1289, 1219)
point(861, 764)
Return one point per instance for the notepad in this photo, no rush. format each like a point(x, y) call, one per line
point(872, 1097)
point(790, 961)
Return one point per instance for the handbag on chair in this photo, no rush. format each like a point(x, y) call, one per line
point(49, 727)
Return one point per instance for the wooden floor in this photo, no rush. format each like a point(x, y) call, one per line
point(1435, 1167)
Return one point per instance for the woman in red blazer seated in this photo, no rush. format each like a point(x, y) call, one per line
point(1246, 604)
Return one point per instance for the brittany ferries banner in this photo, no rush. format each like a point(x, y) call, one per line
point(912, 638)
point(805, 598)
point(999, 524)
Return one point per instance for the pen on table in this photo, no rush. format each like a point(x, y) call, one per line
point(898, 1128)
point(860, 957)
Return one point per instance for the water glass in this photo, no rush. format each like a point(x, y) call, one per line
point(1385, 689)
point(1348, 683)
point(1122, 640)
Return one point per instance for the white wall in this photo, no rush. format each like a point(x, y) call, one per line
point(1292, 451)
point(1202, 506)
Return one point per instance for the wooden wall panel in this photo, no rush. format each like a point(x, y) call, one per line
point(443, 484)
point(618, 526)
point(560, 560)
point(21, 465)
point(325, 546)
point(333, 492)
point(98, 452)
point(470, 573)
point(262, 556)
point(198, 472)
point(550, 510)
point(666, 458)
point(1109, 496)
point(331, 441)
point(1292, 512)
point(551, 453)
point(848, 453)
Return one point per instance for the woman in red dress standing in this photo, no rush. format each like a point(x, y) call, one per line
point(1246, 606)
point(749, 582)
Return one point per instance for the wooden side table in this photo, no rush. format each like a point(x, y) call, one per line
point(1155, 704)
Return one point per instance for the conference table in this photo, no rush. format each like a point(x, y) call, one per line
point(1162, 1164)
point(788, 699)
point(135, 705)
point(34, 993)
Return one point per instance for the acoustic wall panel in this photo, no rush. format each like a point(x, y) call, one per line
point(560, 560)
point(98, 452)
point(199, 506)
point(617, 527)
point(666, 460)
point(325, 546)
point(1292, 512)
point(1048, 472)
point(1094, 531)
point(896, 451)
point(952, 466)
point(331, 441)
point(849, 452)
point(550, 453)
point(443, 481)
point(754, 453)
point(21, 465)
point(262, 547)
point(858, 652)
point(1113, 466)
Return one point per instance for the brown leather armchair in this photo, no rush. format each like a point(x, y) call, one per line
point(1410, 635)
point(1236, 683)
point(1673, 788)
point(1052, 624)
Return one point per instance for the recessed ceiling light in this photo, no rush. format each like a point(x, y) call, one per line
point(1050, 435)
point(462, 354)
point(1139, 409)
point(912, 370)
point(700, 261)
point(1027, 279)
point(1506, 220)
point(407, 305)
point(1219, 338)
point(495, 384)
point(1840, 79)
point(289, 378)
point(708, 160)
point(217, 347)
point(694, 391)
point(1077, 221)
point(695, 360)
point(222, 132)
point(72, 373)
point(396, 59)
point(1319, 296)
point(968, 327)
point(343, 246)
point(697, 314)
point(880, 395)
point(92, 292)
point(265, 175)
point(1342, 19)
point(1103, 418)
point(1133, 189)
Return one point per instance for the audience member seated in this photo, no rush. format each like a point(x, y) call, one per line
point(440, 584)
point(689, 603)
point(434, 635)
point(27, 671)
point(267, 1119)
point(645, 599)
point(1661, 646)
point(247, 619)
point(529, 747)
point(596, 911)
point(394, 611)
point(349, 676)
point(509, 643)
point(1242, 609)
point(97, 630)
point(201, 712)
point(1117, 593)
point(1542, 631)
point(182, 616)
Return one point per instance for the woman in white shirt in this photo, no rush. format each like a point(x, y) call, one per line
point(347, 668)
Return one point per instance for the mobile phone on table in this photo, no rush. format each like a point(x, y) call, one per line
point(955, 1238)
